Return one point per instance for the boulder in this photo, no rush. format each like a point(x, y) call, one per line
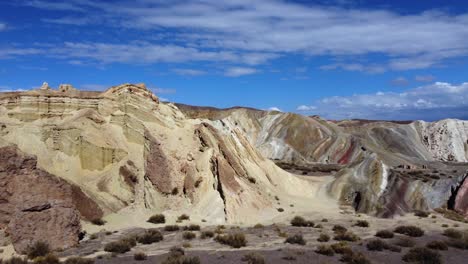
point(35, 205)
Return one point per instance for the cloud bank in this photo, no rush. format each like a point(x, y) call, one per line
point(431, 102)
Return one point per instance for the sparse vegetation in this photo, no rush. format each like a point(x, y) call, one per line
point(323, 238)
point(453, 233)
point(177, 256)
point(157, 219)
point(362, 223)
point(189, 235)
point(235, 240)
point(437, 245)
point(192, 228)
point(299, 221)
point(377, 245)
point(346, 236)
point(253, 258)
point(422, 255)
point(183, 217)
point(355, 258)
point(280, 210)
point(47, 259)
point(37, 249)
point(79, 260)
point(296, 239)
point(325, 250)
point(207, 234)
point(422, 214)
point(451, 214)
point(412, 231)
point(171, 228)
point(405, 242)
point(118, 247)
point(258, 226)
point(150, 236)
point(341, 248)
point(14, 260)
point(140, 256)
point(98, 222)
point(339, 229)
point(385, 234)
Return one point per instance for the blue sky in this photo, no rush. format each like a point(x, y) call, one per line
point(335, 58)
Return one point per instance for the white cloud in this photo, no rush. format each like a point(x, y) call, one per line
point(2, 26)
point(357, 67)
point(434, 101)
point(239, 71)
point(424, 78)
point(400, 81)
point(189, 72)
point(266, 29)
point(306, 108)
point(274, 108)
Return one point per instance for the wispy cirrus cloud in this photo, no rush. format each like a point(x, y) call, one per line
point(430, 102)
point(3, 26)
point(189, 72)
point(424, 78)
point(239, 71)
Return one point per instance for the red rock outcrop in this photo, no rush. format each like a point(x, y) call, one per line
point(461, 201)
point(36, 205)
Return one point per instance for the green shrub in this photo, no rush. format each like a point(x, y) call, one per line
point(235, 240)
point(405, 242)
point(253, 258)
point(258, 226)
point(323, 238)
point(437, 245)
point(171, 228)
point(385, 234)
point(355, 258)
point(122, 246)
point(376, 245)
point(207, 234)
point(362, 223)
point(296, 239)
point(79, 260)
point(157, 219)
point(346, 236)
point(189, 235)
point(341, 248)
point(150, 236)
point(412, 231)
point(421, 214)
point(37, 249)
point(280, 210)
point(192, 228)
point(339, 229)
point(453, 233)
point(423, 255)
point(98, 222)
point(47, 259)
point(325, 250)
point(177, 256)
point(299, 221)
point(140, 256)
point(183, 217)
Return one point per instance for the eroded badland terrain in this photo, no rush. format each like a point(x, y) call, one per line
point(120, 177)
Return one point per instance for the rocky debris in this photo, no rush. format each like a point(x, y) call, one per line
point(37, 206)
point(45, 87)
point(64, 88)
